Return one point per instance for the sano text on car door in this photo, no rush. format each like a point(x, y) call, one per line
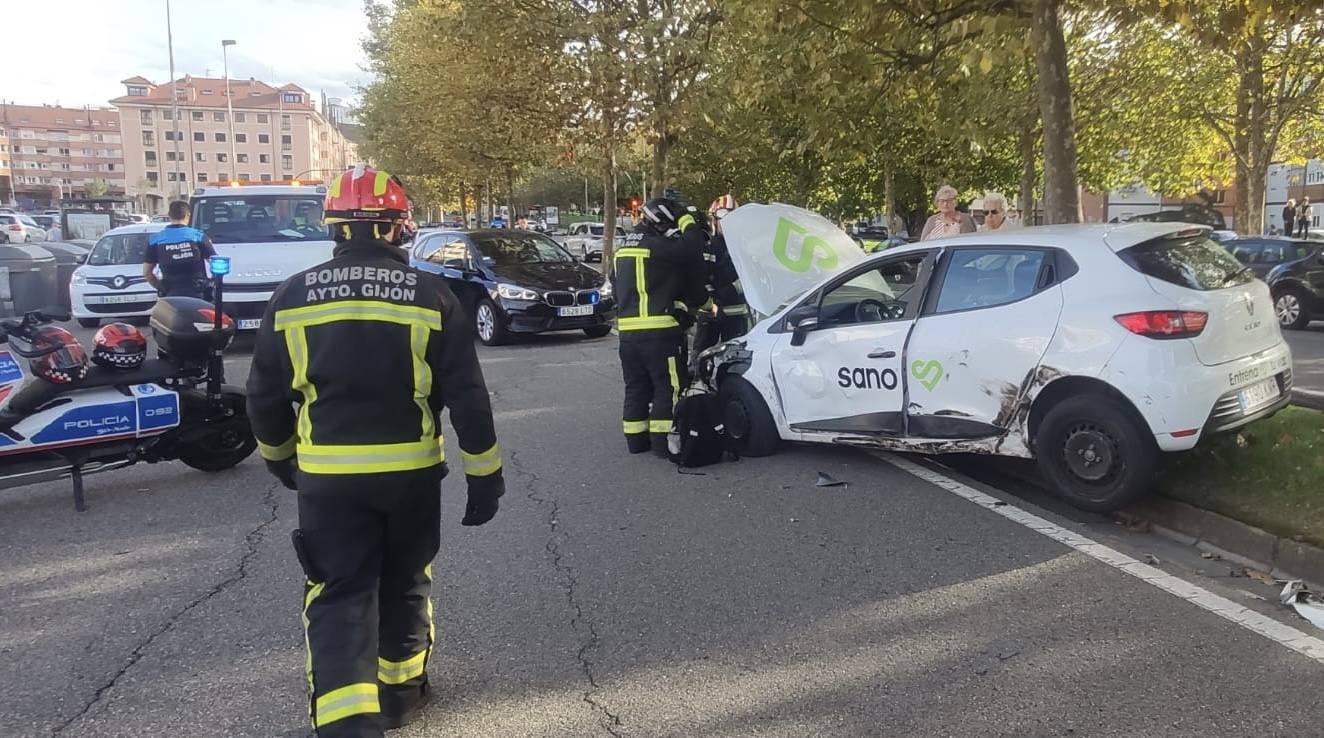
point(866, 378)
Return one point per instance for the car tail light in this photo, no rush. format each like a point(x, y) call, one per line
point(1164, 323)
point(15, 227)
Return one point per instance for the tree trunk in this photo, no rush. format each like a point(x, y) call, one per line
point(510, 194)
point(608, 208)
point(1252, 150)
point(889, 197)
point(1029, 176)
point(661, 150)
point(464, 205)
point(1061, 192)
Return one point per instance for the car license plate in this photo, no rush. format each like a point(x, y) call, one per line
point(250, 323)
point(1259, 394)
point(116, 299)
point(576, 310)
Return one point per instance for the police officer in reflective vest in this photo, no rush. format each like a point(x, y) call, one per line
point(727, 315)
point(658, 284)
point(370, 350)
point(181, 252)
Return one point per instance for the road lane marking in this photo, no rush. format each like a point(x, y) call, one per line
point(1285, 635)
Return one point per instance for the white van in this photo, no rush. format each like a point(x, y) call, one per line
point(269, 231)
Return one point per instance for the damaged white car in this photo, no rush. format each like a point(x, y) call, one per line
point(1088, 348)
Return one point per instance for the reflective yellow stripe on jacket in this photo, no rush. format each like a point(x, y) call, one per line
point(316, 458)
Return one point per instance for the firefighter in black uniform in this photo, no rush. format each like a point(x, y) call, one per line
point(726, 316)
point(181, 252)
point(370, 350)
point(659, 284)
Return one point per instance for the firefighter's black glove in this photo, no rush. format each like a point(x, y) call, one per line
point(683, 317)
point(484, 499)
point(284, 471)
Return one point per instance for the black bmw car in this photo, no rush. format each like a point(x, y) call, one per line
point(514, 281)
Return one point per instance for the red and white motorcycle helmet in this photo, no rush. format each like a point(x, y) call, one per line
point(62, 359)
point(119, 346)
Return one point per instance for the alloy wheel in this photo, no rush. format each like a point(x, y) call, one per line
point(1288, 308)
point(486, 322)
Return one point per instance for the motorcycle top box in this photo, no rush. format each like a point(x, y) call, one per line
point(184, 328)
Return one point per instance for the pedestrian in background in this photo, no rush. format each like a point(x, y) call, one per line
point(1304, 215)
point(1289, 217)
point(947, 221)
point(995, 212)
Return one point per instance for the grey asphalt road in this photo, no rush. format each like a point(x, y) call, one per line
point(1308, 358)
point(614, 596)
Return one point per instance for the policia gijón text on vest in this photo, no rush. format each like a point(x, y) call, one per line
point(659, 283)
point(370, 351)
point(180, 252)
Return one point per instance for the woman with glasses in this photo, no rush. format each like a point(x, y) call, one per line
point(995, 212)
point(947, 221)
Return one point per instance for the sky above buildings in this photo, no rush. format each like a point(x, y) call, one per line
point(75, 52)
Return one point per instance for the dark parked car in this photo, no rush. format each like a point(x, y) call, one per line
point(514, 281)
point(1263, 253)
point(1297, 285)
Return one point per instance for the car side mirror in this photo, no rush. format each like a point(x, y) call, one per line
point(456, 264)
point(802, 320)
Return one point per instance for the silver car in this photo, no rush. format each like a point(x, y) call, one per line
point(19, 228)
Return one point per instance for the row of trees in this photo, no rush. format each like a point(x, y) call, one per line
point(845, 106)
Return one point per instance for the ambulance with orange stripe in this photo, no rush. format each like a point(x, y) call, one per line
point(269, 230)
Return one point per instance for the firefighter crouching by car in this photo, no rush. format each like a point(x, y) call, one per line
point(370, 350)
point(658, 283)
point(726, 316)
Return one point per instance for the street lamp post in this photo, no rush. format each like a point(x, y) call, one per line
point(229, 100)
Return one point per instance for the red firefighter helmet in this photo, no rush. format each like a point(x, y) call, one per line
point(62, 359)
point(119, 346)
point(366, 194)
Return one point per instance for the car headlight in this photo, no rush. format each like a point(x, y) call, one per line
point(79, 280)
point(515, 292)
point(605, 290)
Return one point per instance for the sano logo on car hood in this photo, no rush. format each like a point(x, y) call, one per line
point(780, 251)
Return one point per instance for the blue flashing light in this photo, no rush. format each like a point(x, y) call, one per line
point(219, 265)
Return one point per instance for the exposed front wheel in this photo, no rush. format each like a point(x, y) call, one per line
point(223, 442)
point(1290, 307)
point(597, 331)
point(487, 324)
point(750, 429)
point(1096, 454)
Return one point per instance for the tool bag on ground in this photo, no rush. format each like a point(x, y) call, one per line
point(697, 437)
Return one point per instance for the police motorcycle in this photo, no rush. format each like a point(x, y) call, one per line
point(62, 416)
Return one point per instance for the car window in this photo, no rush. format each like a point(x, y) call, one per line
point(597, 230)
point(25, 220)
point(425, 246)
point(520, 248)
point(453, 250)
point(980, 278)
point(880, 294)
point(245, 218)
point(1195, 262)
point(1246, 251)
point(125, 248)
point(6, 219)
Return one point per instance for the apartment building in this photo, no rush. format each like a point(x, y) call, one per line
point(48, 153)
point(277, 134)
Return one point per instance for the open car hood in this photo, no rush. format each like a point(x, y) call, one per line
point(780, 251)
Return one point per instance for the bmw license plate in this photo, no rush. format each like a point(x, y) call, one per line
point(250, 324)
point(570, 312)
point(1258, 395)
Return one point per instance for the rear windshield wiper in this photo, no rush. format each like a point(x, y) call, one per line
point(1233, 275)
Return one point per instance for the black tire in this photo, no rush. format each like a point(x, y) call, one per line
point(1289, 306)
point(231, 443)
point(489, 326)
point(1095, 453)
point(89, 322)
point(750, 429)
point(598, 331)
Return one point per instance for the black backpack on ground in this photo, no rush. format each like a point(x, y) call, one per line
point(698, 438)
